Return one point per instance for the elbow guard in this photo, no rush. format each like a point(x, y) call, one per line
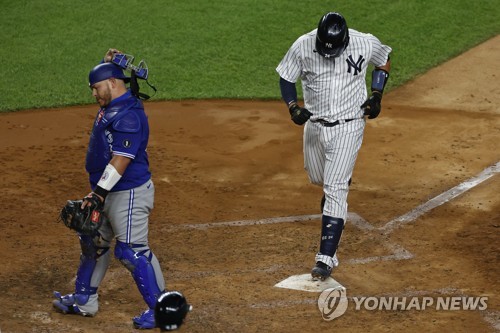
point(379, 79)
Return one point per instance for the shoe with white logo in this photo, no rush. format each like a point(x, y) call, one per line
point(79, 304)
point(321, 271)
point(146, 320)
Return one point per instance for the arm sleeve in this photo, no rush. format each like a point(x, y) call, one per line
point(288, 91)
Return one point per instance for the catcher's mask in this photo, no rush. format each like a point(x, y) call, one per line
point(106, 71)
point(170, 310)
point(332, 36)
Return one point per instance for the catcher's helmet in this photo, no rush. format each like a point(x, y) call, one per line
point(105, 71)
point(332, 36)
point(170, 310)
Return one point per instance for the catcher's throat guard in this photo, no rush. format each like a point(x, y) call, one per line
point(125, 61)
point(140, 71)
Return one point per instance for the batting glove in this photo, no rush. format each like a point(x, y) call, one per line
point(299, 115)
point(372, 105)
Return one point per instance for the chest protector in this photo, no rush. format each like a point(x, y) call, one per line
point(118, 117)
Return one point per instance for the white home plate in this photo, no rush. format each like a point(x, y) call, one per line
point(306, 283)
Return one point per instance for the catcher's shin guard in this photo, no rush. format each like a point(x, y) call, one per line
point(94, 262)
point(145, 270)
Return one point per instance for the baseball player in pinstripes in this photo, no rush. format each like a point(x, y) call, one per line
point(331, 62)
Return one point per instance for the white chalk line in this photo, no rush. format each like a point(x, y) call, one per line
point(355, 218)
point(397, 251)
point(442, 198)
point(351, 217)
point(244, 223)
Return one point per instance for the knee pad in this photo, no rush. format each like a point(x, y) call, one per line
point(91, 254)
point(139, 264)
point(331, 231)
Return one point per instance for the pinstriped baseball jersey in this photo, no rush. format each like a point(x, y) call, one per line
point(333, 88)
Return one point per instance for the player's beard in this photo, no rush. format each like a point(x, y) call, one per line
point(103, 97)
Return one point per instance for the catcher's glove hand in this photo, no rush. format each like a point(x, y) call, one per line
point(85, 220)
point(299, 115)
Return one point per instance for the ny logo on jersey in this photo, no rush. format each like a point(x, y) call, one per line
point(356, 65)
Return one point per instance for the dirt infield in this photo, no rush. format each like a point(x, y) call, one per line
point(221, 161)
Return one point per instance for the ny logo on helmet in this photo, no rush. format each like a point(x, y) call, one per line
point(356, 65)
point(329, 45)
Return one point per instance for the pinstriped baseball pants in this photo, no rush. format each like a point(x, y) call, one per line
point(329, 157)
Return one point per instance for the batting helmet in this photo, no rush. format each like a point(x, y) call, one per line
point(332, 36)
point(106, 71)
point(170, 310)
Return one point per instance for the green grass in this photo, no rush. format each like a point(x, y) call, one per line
point(228, 49)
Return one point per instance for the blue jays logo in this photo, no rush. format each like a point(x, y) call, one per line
point(109, 136)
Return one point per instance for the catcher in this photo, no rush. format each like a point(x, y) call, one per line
point(121, 199)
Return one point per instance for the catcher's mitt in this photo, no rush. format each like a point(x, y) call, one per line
point(87, 220)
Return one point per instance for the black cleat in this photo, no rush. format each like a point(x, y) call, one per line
point(321, 271)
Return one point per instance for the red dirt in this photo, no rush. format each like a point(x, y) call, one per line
point(225, 160)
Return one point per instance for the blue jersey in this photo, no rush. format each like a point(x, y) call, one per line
point(122, 129)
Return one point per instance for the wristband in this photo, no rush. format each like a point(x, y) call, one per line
point(293, 107)
point(100, 192)
point(109, 178)
point(379, 79)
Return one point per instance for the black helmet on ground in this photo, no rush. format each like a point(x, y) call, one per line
point(170, 310)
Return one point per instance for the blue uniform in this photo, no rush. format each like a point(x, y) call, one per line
point(120, 129)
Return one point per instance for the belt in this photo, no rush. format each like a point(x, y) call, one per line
point(335, 123)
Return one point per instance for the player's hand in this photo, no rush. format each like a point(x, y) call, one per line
point(109, 55)
point(92, 200)
point(372, 105)
point(299, 115)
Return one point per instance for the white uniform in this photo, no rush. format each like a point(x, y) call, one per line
point(334, 90)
